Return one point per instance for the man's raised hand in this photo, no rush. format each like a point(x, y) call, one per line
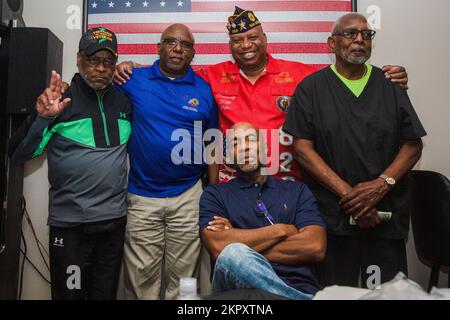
point(123, 72)
point(49, 103)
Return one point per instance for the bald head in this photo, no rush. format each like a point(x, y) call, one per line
point(244, 126)
point(178, 28)
point(176, 50)
point(246, 147)
point(351, 41)
point(347, 19)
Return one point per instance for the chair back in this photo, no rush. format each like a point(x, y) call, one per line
point(430, 216)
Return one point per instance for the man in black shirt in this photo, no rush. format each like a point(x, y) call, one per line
point(357, 137)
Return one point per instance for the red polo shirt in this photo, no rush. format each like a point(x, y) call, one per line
point(263, 104)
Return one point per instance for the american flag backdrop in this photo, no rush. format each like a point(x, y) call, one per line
point(296, 29)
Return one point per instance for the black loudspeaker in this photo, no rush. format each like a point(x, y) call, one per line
point(27, 56)
point(32, 53)
point(10, 10)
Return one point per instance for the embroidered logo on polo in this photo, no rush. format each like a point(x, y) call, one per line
point(227, 78)
point(224, 102)
point(192, 105)
point(284, 77)
point(283, 103)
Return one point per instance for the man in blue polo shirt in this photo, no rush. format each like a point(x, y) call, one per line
point(262, 232)
point(163, 194)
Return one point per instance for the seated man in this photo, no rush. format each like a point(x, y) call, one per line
point(263, 233)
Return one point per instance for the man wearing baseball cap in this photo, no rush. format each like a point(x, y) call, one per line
point(85, 131)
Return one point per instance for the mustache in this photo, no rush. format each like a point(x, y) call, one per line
point(96, 87)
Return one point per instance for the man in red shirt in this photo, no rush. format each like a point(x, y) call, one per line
point(257, 88)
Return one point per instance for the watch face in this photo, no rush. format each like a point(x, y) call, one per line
point(391, 181)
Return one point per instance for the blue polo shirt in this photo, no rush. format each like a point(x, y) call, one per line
point(287, 202)
point(164, 113)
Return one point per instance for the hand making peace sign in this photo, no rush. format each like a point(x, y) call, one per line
point(49, 102)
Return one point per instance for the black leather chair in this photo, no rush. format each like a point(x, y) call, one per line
point(430, 217)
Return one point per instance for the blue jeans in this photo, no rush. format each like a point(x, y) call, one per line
point(240, 267)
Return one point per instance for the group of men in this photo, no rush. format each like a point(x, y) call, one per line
point(352, 130)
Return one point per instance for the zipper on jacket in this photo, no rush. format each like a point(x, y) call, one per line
point(102, 110)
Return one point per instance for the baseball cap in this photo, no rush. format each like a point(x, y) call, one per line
point(96, 39)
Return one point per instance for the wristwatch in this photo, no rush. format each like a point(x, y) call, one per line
point(389, 180)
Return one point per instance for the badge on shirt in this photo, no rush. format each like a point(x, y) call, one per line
point(193, 104)
point(283, 103)
point(227, 78)
point(284, 77)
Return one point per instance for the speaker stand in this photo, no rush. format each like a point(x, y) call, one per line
point(11, 193)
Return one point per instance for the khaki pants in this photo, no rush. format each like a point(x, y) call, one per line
point(157, 229)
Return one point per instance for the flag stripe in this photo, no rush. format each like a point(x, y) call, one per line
point(212, 38)
point(222, 48)
point(273, 5)
point(199, 27)
point(252, 2)
point(215, 17)
point(317, 66)
point(206, 59)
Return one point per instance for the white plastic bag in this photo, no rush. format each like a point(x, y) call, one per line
point(399, 288)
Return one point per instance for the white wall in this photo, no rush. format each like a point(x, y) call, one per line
point(413, 34)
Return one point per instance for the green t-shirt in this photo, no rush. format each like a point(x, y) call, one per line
point(355, 86)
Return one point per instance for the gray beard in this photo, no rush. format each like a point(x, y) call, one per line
point(96, 88)
point(358, 60)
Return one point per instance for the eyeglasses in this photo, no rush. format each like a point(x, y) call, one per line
point(95, 61)
point(261, 210)
point(353, 33)
point(173, 42)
